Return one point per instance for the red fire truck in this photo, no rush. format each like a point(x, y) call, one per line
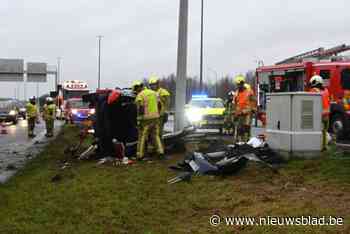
point(293, 74)
point(70, 89)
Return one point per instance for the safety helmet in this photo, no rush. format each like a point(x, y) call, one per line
point(49, 99)
point(231, 93)
point(239, 79)
point(136, 84)
point(315, 80)
point(153, 80)
point(33, 98)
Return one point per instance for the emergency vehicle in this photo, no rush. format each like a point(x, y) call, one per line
point(70, 89)
point(205, 112)
point(293, 74)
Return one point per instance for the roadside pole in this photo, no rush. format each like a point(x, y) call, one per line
point(180, 96)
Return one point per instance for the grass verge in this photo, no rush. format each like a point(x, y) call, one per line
point(136, 199)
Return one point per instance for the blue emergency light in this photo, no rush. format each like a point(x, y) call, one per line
point(199, 96)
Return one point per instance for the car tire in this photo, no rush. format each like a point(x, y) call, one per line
point(337, 126)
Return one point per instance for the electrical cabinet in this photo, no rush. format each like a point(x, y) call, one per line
point(294, 122)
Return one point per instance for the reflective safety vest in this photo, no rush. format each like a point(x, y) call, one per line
point(148, 100)
point(49, 111)
point(346, 100)
point(32, 111)
point(244, 101)
point(164, 97)
point(326, 103)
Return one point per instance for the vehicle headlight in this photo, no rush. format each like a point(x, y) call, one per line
point(92, 111)
point(193, 115)
point(12, 112)
point(74, 111)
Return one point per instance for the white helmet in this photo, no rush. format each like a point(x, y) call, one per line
point(315, 80)
point(49, 99)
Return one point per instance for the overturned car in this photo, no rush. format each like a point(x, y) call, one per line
point(114, 126)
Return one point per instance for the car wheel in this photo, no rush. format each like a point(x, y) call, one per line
point(337, 126)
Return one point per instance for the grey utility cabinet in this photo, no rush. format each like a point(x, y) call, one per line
point(294, 123)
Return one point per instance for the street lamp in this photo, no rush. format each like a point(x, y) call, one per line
point(99, 61)
point(58, 73)
point(201, 56)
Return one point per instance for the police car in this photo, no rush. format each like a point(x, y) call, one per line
point(205, 112)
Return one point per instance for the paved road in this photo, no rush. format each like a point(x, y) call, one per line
point(18, 133)
point(16, 148)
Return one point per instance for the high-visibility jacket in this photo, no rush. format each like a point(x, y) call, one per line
point(164, 98)
point(346, 100)
point(49, 111)
point(326, 103)
point(148, 100)
point(244, 101)
point(32, 111)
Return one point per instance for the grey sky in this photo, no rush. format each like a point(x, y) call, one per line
point(140, 37)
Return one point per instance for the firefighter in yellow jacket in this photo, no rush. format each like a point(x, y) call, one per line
point(49, 115)
point(164, 97)
point(32, 116)
point(148, 120)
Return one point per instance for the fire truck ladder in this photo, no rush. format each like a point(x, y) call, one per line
point(319, 53)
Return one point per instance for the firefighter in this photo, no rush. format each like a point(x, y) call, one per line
point(316, 83)
point(32, 116)
point(49, 116)
point(147, 120)
point(164, 97)
point(244, 107)
point(228, 113)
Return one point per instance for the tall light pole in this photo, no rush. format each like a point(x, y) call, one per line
point(99, 61)
point(201, 56)
point(180, 96)
point(58, 73)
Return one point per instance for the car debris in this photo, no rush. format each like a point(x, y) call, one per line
point(227, 162)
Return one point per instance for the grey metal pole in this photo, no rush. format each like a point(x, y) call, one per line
point(180, 96)
point(58, 73)
point(37, 92)
point(99, 62)
point(201, 56)
point(25, 87)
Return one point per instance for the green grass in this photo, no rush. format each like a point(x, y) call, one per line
point(137, 199)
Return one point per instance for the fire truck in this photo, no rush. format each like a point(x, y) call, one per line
point(68, 90)
point(293, 74)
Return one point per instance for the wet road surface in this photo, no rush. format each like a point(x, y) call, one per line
point(16, 148)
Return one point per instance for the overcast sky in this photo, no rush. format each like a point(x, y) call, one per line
point(140, 37)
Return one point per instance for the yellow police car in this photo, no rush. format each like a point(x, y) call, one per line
point(205, 112)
